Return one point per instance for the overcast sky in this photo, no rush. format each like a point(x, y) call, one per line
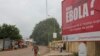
point(25, 14)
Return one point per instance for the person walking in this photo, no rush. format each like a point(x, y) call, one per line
point(36, 50)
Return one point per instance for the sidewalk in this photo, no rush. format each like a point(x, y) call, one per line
point(57, 53)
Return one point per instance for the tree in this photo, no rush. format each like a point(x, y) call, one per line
point(9, 31)
point(43, 31)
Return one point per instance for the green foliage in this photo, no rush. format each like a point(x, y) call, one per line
point(43, 31)
point(9, 31)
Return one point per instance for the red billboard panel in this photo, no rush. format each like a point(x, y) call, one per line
point(80, 16)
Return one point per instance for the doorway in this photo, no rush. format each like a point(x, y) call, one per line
point(97, 51)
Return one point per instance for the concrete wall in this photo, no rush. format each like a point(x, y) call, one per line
point(1, 44)
point(7, 43)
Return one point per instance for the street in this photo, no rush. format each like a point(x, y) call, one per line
point(24, 52)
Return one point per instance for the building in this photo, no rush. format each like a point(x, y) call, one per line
point(80, 26)
point(28, 41)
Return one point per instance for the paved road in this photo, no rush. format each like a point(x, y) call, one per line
point(23, 52)
point(58, 53)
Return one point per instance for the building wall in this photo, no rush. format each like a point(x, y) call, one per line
point(72, 46)
point(93, 48)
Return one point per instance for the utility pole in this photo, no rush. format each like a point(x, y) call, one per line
point(46, 9)
point(47, 16)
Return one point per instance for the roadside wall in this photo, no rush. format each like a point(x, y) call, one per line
point(1, 44)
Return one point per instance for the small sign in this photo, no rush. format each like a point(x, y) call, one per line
point(89, 36)
point(54, 35)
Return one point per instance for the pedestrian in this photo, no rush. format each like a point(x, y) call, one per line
point(16, 45)
point(61, 48)
point(35, 49)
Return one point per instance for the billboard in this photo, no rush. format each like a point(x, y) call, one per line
point(80, 16)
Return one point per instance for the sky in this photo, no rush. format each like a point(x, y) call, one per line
point(25, 14)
